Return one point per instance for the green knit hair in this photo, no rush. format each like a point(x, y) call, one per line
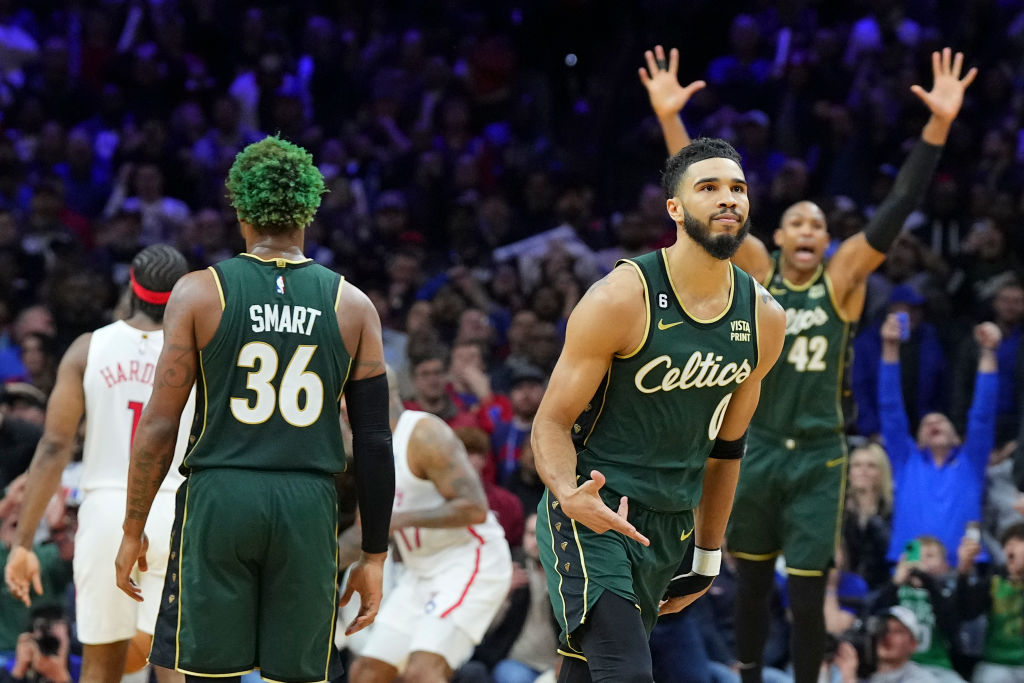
point(274, 186)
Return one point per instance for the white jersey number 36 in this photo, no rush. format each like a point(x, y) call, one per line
point(262, 358)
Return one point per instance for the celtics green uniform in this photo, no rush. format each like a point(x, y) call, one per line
point(649, 429)
point(251, 581)
point(791, 485)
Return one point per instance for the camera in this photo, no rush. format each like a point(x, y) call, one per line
point(47, 643)
point(864, 637)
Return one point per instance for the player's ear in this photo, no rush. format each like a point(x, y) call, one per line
point(674, 205)
point(777, 237)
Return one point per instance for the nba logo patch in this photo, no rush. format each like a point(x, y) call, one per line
point(280, 284)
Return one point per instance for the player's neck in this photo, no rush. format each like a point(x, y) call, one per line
point(287, 245)
point(141, 321)
point(796, 276)
point(695, 272)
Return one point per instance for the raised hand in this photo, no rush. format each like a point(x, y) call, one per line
point(585, 506)
point(947, 93)
point(988, 336)
point(660, 78)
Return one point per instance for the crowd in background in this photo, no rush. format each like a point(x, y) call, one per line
point(486, 162)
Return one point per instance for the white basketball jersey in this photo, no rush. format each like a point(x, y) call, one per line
point(118, 381)
point(422, 548)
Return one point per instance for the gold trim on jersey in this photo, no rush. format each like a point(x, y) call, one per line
point(830, 288)
point(334, 610)
point(565, 617)
point(679, 299)
point(570, 654)
point(583, 566)
point(841, 372)
point(220, 289)
point(337, 297)
point(206, 411)
point(757, 557)
point(193, 673)
point(804, 572)
point(344, 380)
point(807, 285)
point(181, 579)
point(842, 495)
point(647, 313)
point(600, 409)
point(279, 261)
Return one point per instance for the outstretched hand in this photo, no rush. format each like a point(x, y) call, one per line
point(584, 505)
point(947, 93)
point(367, 579)
point(661, 80)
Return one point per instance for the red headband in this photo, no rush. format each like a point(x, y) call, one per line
point(147, 295)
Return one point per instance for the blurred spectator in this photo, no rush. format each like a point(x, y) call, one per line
point(162, 216)
point(39, 358)
point(922, 582)
point(18, 440)
point(923, 369)
point(867, 519)
point(23, 401)
point(505, 506)
point(1000, 598)
point(1007, 304)
point(510, 434)
point(939, 481)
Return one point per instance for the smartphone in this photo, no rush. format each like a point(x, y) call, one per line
point(912, 551)
point(904, 319)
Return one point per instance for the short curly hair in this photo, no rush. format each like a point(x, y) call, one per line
point(274, 186)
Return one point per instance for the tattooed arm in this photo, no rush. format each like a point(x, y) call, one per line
point(435, 453)
point(63, 414)
point(157, 431)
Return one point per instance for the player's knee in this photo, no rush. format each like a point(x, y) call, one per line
point(424, 670)
point(368, 670)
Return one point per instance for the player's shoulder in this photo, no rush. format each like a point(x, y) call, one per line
point(617, 291)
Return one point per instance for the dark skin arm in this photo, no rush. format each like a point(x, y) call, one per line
point(185, 333)
point(361, 330)
point(64, 412)
point(435, 453)
point(720, 476)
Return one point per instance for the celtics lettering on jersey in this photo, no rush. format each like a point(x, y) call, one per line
point(803, 388)
point(652, 422)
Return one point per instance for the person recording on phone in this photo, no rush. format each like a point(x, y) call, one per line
point(923, 377)
point(939, 478)
point(922, 583)
point(999, 596)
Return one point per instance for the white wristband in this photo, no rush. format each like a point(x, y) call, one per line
point(707, 562)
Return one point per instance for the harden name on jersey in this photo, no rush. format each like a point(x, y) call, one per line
point(283, 318)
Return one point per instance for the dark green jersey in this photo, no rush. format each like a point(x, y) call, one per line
point(651, 424)
point(801, 395)
point(270, 380)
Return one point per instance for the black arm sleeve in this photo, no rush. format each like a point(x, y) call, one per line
point(373, 459)
point(911, 182)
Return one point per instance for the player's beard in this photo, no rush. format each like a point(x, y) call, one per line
point(721, 247)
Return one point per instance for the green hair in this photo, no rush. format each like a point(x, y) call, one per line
point(274, 186)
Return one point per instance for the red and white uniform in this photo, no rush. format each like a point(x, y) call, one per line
point(118, 382)
point(454, 580)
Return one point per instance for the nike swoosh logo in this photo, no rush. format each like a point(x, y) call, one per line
point(686, 534)
point(776, 290)
point(663, 326)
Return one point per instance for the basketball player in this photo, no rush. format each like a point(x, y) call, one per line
point(107, 376)
point(271, 339)
point(457, 565)
point(795, 474)
point(642, 427)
